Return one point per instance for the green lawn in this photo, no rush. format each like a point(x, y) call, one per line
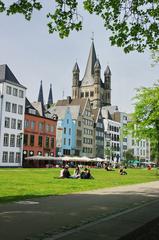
point(16, 184)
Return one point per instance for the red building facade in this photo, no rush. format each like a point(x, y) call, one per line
point(39, 136)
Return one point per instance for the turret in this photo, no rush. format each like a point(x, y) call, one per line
point(97, 69)
point(75, 72)
point(107, 78)
point(107, 86)
point(97, 94)
point(75, 81)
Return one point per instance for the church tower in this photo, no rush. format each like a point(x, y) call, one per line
point(91, 86)
point(75, 81)
point(41, 99)
point(50, 97)
point(107, 85)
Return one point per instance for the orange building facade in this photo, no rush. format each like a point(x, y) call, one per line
point(39, 137)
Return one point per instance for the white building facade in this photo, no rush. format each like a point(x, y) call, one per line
point(140, 149)
point(111, 137)
point(12, 107)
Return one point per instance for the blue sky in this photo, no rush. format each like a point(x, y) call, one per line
point(34, 55)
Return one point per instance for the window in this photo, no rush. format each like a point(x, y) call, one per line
point(12, 140)
point(13, 123)
point(40, 126)
point(15, 92)
point(11, 157)
point(40, 141)
point(52, 129)
point(82, 94)
point(9, 90)
point(19, 139)
point(32, 124)
point(26, 123)
point(69, 131)
point(86, 94)
point(47, 128)
point(91, 94)
point(52, 142)
point(31, 153)
point(25, 139)
point(7, 122)
point(14, 108)
point(69, 141)
point(18, 157)
point(67, 121)
point(5, 157)
point(64, 141)
point(6, 140)
point(64, 130)
point(21, 94)
point(20, 109)
point(47, 142)
point(19, 124)
point(79, 123)
point(31, 140)
point(32, 111)
point(8, 106)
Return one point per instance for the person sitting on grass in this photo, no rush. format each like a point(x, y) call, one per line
point(122, 171)
point(77, 173)
point(86, 174)
point(65, 172)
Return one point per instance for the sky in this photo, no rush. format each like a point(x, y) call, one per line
point(33, 55)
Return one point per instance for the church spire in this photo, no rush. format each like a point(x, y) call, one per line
point(89, 72)
point(50, 98)
point(41, 98)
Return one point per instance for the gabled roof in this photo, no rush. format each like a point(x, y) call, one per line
point(89, 72)
point(39, 108)
point(61, 111)
point(95, 114)
point(28, 106)
point(73, 102)
point(6, 75)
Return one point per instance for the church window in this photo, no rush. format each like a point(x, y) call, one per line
point(92, 94)
point(86, 94)
point(82, 94)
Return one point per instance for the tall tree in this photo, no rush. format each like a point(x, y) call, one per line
point(133, 24)
point(144, 122)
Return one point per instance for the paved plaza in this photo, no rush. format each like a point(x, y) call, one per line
point(99, 214)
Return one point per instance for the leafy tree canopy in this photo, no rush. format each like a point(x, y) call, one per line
point(133, 24)
point(144, 122)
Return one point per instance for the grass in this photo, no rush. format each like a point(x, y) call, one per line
point(18, 184)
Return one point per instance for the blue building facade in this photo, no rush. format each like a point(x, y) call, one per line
point(68, 125)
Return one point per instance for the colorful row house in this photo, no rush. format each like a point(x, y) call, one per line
point(39, 134)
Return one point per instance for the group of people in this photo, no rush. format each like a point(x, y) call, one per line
point(85, 174)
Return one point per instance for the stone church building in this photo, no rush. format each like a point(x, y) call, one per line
point(91, 86)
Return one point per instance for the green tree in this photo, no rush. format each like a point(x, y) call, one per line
point(144, 122)
point(129, 155)
point(133, 24)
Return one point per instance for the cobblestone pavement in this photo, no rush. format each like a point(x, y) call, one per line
point(99, 214)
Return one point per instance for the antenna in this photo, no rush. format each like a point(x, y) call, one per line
point(63, 94)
